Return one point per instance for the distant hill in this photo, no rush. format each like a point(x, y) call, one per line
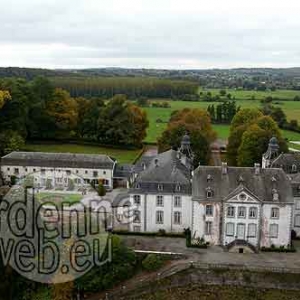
point(245, 78)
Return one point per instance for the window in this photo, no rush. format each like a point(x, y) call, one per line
point(137, 216)
point(68, 172)
point(137, 199)
point(159, 217)
point(230, 229)
point(297, 205)
point(253, 213)
point(209, 193)
point(273, 230)
point(242, 197)
point(104, 172)
point(137, 228)
point(26, 169)
point(77, 171)
point(16, 171)
point(159, 201)
point(43, 171)
point(177, 217)
point(95, 174)
point(231, 212)
point(8, 169)
point(297, 220)
point(294, 168)
point(208, 210)
point(34, 170)
point(160, 187)
point(208, 228)
point(86, 172)
point(177, 201)
point(242, 212)
point(275, 195)
point(178, 188)
point(275, 213)
point(252, 230)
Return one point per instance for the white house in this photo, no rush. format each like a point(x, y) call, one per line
point(250, 206)
point(290, 163)
point(56, 169)
point(230, 206)
point(161, 194)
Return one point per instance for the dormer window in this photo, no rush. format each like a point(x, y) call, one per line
point(294, 168)
point(138, 186)
point(160, 187)
point(274, 180)
point(209, 178)
point(209, 193)
point(178, 188)
point(275, 195)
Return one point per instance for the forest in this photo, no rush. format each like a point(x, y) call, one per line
point(36, 110)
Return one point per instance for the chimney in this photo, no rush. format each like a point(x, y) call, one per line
point(224, 168)
point(257, 168)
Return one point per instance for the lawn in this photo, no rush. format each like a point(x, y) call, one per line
point(291, 108)
point(294, 146)
point(58, 197)
point(122, 155)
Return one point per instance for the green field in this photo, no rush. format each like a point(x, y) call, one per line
point(291, 108)
point(58, 197)
point(122, 156)
point(257, 95)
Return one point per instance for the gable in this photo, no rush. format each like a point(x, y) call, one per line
point(242, 195)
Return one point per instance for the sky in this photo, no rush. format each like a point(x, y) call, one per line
point(164, 34)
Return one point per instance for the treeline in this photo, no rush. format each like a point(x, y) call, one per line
point(107, 87)
point(223, 112)
point(37, 110)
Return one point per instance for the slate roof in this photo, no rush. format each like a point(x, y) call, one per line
point(286, 162)
point(123, 171)
point(262, 185)
point(165, 169)
point(121, 199)
point(295, 179)
point(58, 160)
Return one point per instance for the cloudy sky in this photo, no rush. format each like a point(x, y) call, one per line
point(173, 34)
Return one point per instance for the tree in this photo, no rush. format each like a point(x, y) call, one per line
point(101, 190)
point(4, 96)
point(122, 123)
point(254, 144)
point(245, 116)
point(223, 93)
point(197, 123)
point(249, 139)
point(194, 120)
point(64, 110)
point(10, 141)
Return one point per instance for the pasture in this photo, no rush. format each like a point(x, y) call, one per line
point(159, 117)
point(255, 95)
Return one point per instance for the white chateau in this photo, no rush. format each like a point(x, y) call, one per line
point(248, 208)
point(253, 207)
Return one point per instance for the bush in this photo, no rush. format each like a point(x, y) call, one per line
point(282, 249)
point(152, 262)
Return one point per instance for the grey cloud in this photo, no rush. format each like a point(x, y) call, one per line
point(177, 34)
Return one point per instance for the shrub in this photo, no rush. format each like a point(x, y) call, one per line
point(152, 262)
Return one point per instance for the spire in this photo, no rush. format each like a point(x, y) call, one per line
point(271, 154)
point(185, 151)
point(185, 147)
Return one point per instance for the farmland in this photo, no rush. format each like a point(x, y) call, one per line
point(291, 108)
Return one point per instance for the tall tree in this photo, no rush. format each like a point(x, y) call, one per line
point(197, 123)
